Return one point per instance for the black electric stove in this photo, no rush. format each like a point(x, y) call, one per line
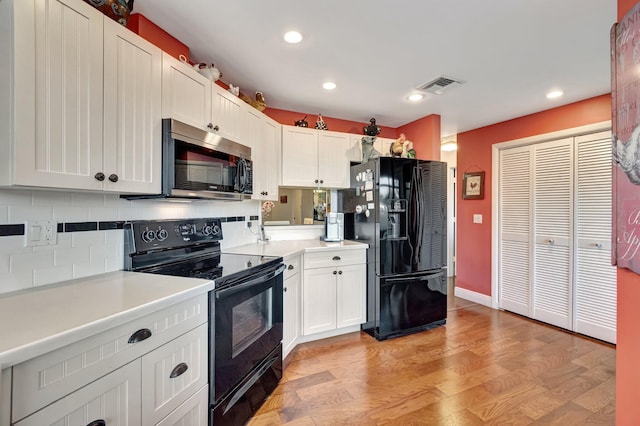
point(245, 307)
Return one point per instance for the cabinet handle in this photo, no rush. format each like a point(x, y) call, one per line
point(216, 128)
point(178, 370)
point(335, 272)
point(290, 267)
point(285, 289)
point(99, 176)
point(316, 180)
point(336, 258)
point(210, 126)
point(339, 272)
point(321, 181)
point(113, 178)
point(140, 335)
point(97, 423)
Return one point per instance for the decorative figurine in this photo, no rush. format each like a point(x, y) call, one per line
point(302, 122)
point(371, 129)
point(320, 124)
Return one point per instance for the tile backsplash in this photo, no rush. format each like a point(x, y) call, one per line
point(90, 238)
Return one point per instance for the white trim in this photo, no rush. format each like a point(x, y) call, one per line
point(495, 176)
point(472, 296)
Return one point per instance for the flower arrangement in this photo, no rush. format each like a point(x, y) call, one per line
point(266, 208)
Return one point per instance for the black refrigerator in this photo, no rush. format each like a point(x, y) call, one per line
point(398, 206)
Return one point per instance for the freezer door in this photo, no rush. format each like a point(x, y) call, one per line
point(412, 303)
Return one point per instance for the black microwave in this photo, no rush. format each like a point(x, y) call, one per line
point(200, 164)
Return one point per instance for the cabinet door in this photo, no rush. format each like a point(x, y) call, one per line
point(319, 300)
point(263, 138)
point(552, 213)
point(194, 412)
point(114, 398)
point(333, 159)
point(61, 67)
point(383, 146)
point(595, 277)
point(186, 94)
point(173, 372)
point(299, 156)
point(132, 118)
point(227, 114)
point(351, 295)
point(291, 318)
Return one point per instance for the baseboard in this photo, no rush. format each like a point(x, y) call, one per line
point(330, 333)
point(472, 296)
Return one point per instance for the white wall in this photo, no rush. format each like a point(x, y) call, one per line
point(83, 253)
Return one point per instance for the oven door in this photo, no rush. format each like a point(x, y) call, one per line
point(247, 327)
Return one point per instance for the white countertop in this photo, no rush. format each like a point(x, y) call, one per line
point(293, 247)
point(39, 320)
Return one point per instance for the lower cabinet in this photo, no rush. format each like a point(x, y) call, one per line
point(291, 318)
point(144, 372)
point(334, 290)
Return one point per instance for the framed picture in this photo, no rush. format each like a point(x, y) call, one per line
point(473, 186)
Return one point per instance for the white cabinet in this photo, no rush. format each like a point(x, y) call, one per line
point(263, 136)
point(315, 158)
point(292, 291)
point(334, 290)
point(114, 399)
point(227, 114)
point(93, 122)
point(168, 348)
point(132, 111)
point(186, 94)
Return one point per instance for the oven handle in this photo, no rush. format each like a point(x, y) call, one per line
point(239, 287)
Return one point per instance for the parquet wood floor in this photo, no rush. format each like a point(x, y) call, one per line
point(483, 367)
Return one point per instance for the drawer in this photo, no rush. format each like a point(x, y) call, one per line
point(174, 372)
point(294, 265)
point(115, 398)
point(193, 412)
point(322, 259)
point(42, 380)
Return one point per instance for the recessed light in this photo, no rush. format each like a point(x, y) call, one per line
point(554, 94)
point(329, 85)
point(292, 37)
point(449, 146)
point(415, 97)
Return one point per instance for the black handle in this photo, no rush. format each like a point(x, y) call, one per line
point(216, 128)
point(285, 289)
point(178, 370)
point(336, 258)
point(99, 176)
point(113, 178)
point(321, 181)
point(97, 423)
point(316, 180)
point(210, 126)
point(140, 335)
point(340, 272)
point(290, 267)
point(335, 272)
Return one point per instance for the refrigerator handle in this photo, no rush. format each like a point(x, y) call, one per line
point(420, 199)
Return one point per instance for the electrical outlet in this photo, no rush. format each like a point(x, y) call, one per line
point(477, 218)
point(41, 233)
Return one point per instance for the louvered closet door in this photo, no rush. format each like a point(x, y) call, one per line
point(553, 208)
point(595, 280)
point(515, 221)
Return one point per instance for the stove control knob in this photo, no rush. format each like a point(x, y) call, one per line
point(162, 234)
point(216, 230)
point(207, 230)
point(148, 236)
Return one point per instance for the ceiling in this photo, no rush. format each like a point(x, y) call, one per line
point(509, 54)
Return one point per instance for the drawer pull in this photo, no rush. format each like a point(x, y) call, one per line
point(140, 335)
point(178, 370)
point(290, 267)
point(336, 258)
point(98, 423)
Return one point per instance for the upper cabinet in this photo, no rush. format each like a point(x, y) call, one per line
point(263, 136)
point(227, 114)
point(186, 95)
point(382, 145)
point(80, 100)
point(315, 158)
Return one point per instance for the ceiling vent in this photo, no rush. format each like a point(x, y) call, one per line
point(439, 85)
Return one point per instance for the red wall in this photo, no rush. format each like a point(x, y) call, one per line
point(425, 135)
point(146, 29)
point(473, 255)
point(628, 332)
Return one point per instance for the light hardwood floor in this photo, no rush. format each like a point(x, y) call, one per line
point(483, 367)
